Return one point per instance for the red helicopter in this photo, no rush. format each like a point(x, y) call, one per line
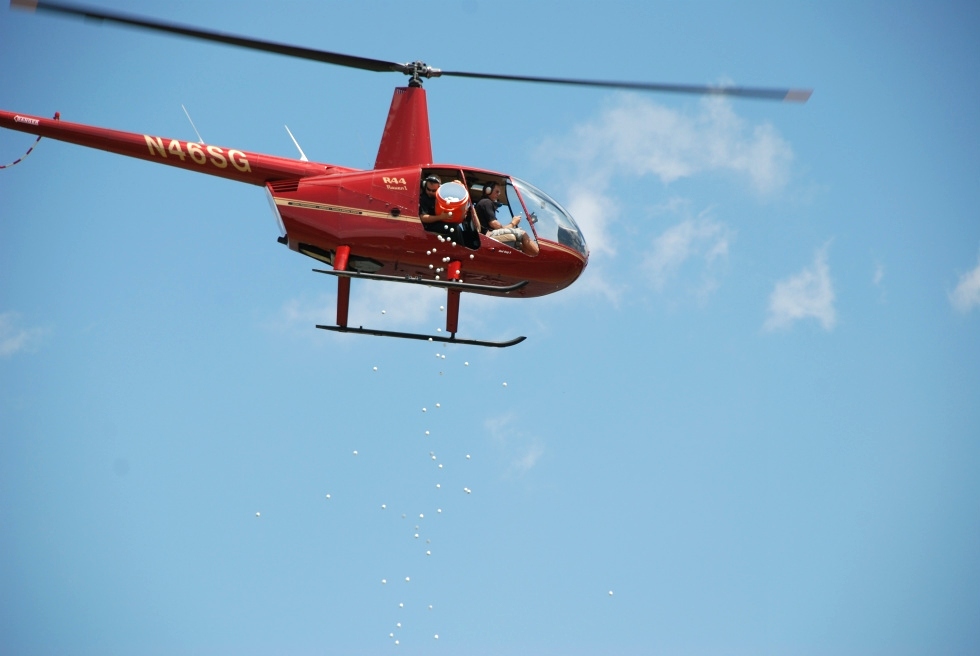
point(366, 224)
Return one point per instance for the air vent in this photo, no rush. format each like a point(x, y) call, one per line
point(284, 186)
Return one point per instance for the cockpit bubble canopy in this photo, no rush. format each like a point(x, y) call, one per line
point(547, 219)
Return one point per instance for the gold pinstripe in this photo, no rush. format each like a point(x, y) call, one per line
point(355, 211)
point(341, 209)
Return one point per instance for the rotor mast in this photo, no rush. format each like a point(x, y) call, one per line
point(406, 140)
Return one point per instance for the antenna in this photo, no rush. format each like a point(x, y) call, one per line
point(199, 139)
point(302, 155)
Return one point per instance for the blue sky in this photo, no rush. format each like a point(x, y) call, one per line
point(753, 420)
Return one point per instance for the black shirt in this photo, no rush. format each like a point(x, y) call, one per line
point(427, 204)
point(486, 211)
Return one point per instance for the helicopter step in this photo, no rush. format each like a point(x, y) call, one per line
point(447, 284)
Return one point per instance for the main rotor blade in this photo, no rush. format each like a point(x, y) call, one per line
point(351, 61)
point(787, 95)
point(416, 69)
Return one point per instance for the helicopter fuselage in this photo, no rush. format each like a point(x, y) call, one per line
point(321, 207)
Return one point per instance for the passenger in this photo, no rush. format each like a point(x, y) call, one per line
point(441, 223)
point(486, 211)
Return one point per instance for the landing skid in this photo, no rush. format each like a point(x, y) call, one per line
point(428, 338)
point(454, 288)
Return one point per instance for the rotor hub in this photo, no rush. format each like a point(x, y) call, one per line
point(418, 70)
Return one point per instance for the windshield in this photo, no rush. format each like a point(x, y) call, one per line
point(548, 219)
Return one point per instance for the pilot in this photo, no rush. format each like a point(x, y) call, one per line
point(486, 211)
point(439, 223)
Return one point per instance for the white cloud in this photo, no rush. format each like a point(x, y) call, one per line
point(403, 306)
point(594, 211)
point(879, 274)
point(638, 137)
point(524, 463)
point(699, 237)
point(16, 339)
point(635, 138)
point(808, 294)
point(386, 306)
point(523, 451)
point(305, 312)
point(878, 280)
point(966, 296)
point(595, 282)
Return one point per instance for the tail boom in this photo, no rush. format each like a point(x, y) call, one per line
point(231, 163)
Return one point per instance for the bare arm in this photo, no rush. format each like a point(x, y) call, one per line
point(497, 225)
point(434, 218)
